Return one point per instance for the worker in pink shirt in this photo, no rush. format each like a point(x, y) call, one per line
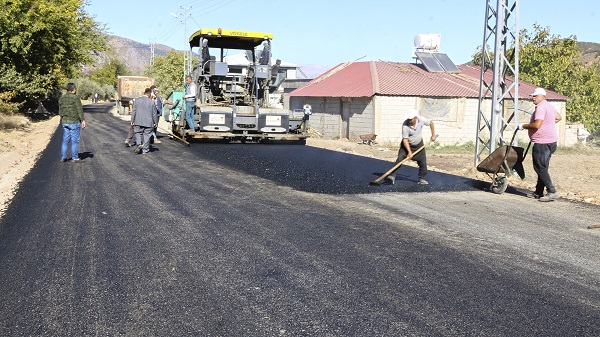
point(542, 133)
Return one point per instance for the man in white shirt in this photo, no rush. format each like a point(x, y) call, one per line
point(190, 102)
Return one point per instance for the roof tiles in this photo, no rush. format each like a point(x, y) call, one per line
point(365, 79)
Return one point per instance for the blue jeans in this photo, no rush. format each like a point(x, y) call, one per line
point(189, 114)
point(70, 133)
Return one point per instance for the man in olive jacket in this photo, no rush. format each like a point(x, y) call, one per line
point(144, 118)
point(72, 120)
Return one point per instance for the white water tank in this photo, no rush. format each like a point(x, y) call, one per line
point(428, 41)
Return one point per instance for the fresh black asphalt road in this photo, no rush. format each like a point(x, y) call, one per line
point(222, 239)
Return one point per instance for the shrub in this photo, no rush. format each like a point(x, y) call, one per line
point(7, 107)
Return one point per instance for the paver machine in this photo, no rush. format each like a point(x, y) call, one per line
point(236, 79)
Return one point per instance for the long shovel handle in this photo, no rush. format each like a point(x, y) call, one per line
point(172, 134)
point(378, 180)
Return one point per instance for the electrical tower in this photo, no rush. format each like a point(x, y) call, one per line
point(187, 52)
point(498, 94)
point(152, 45)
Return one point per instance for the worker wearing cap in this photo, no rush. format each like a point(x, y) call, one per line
point(412, 140)
point(542, 133)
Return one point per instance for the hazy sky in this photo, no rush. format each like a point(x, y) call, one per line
point(328, 32)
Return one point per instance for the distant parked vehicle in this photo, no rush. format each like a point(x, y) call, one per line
point(129, 88)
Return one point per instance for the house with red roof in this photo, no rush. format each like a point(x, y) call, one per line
point(358, 98)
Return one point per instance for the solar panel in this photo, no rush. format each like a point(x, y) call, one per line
point(437, 62)
point(446, 63)
point(430, 62)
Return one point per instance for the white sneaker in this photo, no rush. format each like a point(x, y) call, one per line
point(550, 197)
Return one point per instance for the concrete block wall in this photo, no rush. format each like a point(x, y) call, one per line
point(390, 116)
point(457, 126)
point(326, 116)
point(361, 116)
point(455, 118)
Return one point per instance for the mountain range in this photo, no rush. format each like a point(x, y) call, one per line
point(136, 56)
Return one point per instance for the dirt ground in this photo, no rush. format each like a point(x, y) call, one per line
point(574, 171)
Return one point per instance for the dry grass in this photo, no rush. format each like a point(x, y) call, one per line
point(14, 122)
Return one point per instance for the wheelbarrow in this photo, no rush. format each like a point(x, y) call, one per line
point(501, 163)
point(368, 138)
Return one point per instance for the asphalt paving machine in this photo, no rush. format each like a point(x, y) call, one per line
point(235, 79)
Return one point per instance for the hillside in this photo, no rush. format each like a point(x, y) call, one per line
point(590, 51)
point(136, 56)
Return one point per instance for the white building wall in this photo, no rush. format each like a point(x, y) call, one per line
point(455, 118)
point(391, 116)
point(361, 116)
point(326, 117)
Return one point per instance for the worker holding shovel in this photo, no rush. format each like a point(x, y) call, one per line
point(412, 146)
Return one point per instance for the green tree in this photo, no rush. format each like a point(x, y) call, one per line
point(86, 88)
point(555, 63)
point(167, 71)
point(42, 44)
point(108, 92)
point(109, 72)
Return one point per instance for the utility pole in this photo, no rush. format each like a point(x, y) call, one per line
point(187, 59)
point(502, 28)
point(152, 44)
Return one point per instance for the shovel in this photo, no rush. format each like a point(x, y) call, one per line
point(378, 180)
point(173, 135)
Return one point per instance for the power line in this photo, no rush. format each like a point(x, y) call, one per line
point(206, 10)
point(172, 26)
point(194, 3)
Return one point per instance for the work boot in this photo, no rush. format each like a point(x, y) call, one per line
point(423, 182)
point(550, 197)
point(392, 179)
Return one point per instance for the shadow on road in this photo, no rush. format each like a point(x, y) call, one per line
point(317, 170)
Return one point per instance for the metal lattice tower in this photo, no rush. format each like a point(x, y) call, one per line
point(187, 51)
point(495, 115)
point(152, 46)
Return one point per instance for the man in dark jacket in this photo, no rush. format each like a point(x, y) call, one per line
point(72, 120)
point(158, 101)
point(144, 118)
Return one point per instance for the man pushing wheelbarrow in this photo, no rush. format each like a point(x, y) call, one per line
point(544, 138)
point(542, 133)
